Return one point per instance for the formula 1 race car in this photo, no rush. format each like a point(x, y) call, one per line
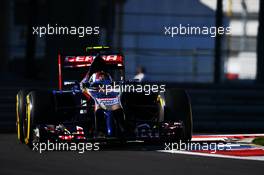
point(103, 106)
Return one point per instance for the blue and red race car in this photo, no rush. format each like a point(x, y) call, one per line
point(94, 102)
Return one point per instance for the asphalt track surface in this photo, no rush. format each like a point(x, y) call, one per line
point(133, 159)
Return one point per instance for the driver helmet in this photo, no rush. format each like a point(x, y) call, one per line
point(100, 77)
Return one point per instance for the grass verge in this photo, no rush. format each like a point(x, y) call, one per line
point(259, 141)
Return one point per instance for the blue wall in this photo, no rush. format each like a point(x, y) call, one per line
point(181, 58)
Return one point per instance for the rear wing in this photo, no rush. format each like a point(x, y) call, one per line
point(86, 61)
point(76, 67)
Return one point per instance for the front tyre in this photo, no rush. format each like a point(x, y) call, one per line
point(178, 108)
point(39, 110)
point(20, 114)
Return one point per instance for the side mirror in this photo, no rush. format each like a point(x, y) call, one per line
point(76, 85)
point(86, 85)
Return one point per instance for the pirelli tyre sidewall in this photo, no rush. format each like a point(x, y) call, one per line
point(39, 108)
point(20, 114)
point(29, 120)
point(178, 108)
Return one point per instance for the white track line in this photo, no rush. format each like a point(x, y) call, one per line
point(209, 139)
point(220, 137)
point(228, 135)
point(217, 137)
point(259, 158)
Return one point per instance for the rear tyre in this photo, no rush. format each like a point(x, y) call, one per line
point(39, 109)
point(178, 108)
